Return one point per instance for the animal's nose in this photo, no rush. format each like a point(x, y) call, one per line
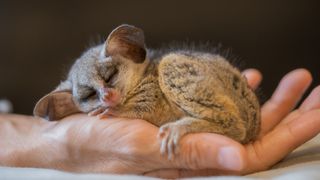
point(109, 96)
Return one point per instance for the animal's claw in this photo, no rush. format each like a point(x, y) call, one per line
point(170, 135)
point(97, 111)
point(106, 113)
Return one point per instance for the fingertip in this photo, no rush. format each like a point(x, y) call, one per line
point(304, 71)
point(212, 151)
point(293, 85)
point(253, 76)
point(252, 71)
point(312, 101)
point(301, 72)
point(230, 158)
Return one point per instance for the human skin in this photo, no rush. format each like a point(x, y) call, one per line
point(80, 143)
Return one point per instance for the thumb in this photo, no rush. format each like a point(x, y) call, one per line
point(210, 151)
point(204, 154)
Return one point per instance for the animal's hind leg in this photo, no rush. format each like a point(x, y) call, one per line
point(171, 133)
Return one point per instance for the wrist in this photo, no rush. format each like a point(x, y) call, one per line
point(31, 144)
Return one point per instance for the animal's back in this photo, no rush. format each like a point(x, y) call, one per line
point(206, 86)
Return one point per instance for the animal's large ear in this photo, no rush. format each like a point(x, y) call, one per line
point(57, 104)
point(127, 41)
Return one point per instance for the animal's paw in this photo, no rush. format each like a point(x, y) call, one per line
point(170, 135)
point(102, 112)
point(109, 112)
point(97, 111)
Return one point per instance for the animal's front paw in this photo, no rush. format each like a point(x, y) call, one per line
point(103, 112)
point(109, 112)
point(170, 135)
point(97, 111)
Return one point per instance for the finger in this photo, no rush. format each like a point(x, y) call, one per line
point(312, 101)
point(205, 154)
point(284, 99)
point(254, 77)
point(281, 141)
point(209, 151)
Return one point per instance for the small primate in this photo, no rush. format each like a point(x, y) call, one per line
point(179, 90)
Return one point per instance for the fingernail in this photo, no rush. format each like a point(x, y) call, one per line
point(229, 158)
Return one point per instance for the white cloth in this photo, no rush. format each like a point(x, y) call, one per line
point(5, 106)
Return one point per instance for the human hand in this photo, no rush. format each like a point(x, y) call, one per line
point(282, 130)
point(130, 146)
point(86, 144)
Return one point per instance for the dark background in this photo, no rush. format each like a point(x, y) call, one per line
point(39, 40)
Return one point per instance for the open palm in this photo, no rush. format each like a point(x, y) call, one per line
point(120, 145)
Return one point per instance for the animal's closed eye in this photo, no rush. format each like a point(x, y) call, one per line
point(91, 94)
point(87, 94)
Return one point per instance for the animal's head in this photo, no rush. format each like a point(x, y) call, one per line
point(118, 65)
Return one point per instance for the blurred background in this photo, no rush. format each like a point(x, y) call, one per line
point(39, 40)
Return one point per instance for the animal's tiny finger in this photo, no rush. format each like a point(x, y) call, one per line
point(162, 131)
point(163, 148)
point(96, 112)
point(170, 147)
point(104, 114)
point(91, 114)
point(164, 128)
